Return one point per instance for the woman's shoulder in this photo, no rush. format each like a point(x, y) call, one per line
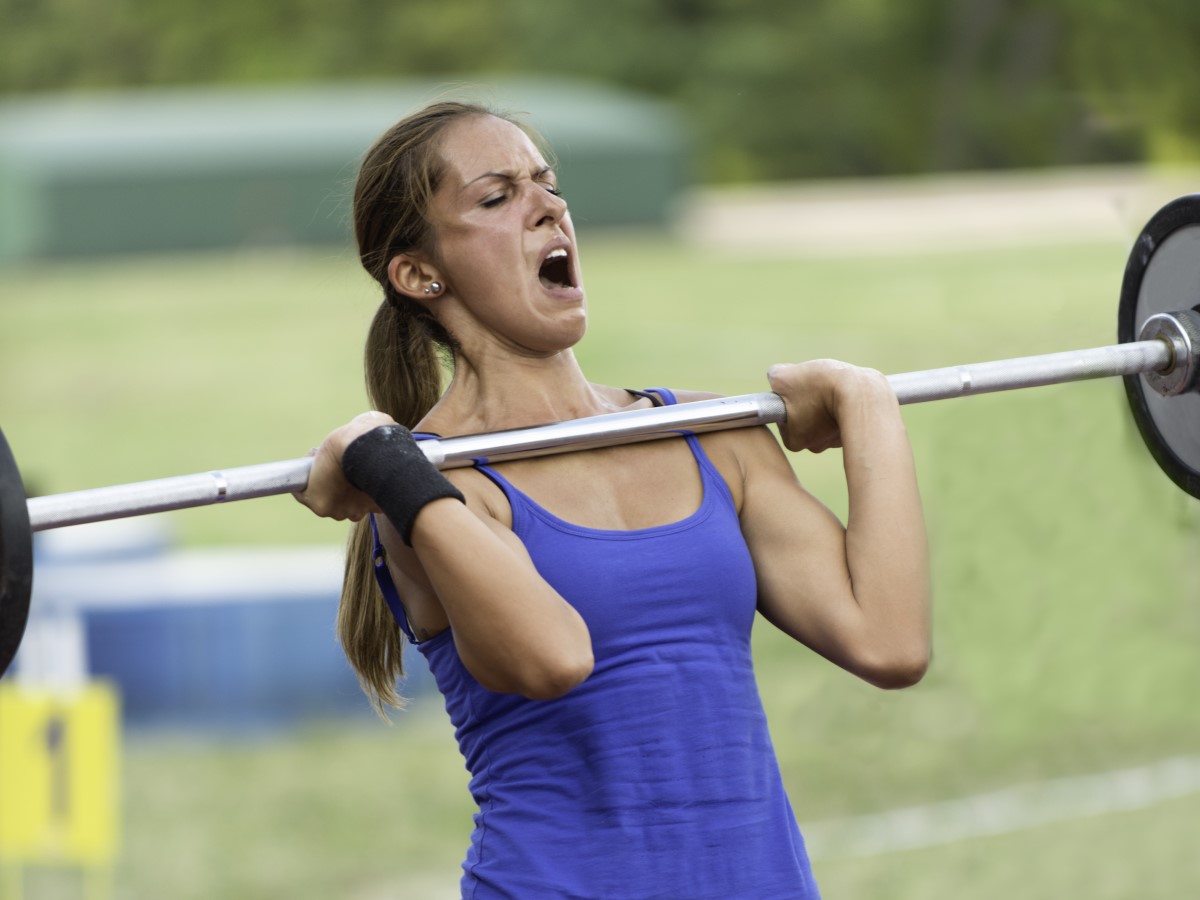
point(727, 438)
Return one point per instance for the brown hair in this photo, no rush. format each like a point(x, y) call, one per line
point(403, 358)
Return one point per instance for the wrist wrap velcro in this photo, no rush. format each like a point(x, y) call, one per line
point(388, 466)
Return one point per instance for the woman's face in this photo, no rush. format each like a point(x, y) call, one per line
point(505, 243)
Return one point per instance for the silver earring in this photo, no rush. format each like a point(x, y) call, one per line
point(434, 288)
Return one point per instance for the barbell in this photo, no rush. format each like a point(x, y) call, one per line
point(1158, 327)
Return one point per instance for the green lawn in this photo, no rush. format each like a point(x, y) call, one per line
point(1067, 580)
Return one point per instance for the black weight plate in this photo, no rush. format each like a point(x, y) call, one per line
point(16, 557)
point(1163, 276)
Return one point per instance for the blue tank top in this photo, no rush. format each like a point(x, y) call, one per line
point(655, 777)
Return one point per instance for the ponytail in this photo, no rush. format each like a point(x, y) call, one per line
point(404, 380)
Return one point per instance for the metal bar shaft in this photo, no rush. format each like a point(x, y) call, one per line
point(244, 483)
point(1133, 358)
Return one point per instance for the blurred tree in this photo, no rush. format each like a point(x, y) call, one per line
point(774, 89)
point(1138, 66)
point(1006, 94)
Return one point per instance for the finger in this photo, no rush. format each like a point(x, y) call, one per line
point(373, 415)
point(779, 376)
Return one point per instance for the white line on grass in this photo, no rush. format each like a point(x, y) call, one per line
point(1003, 811)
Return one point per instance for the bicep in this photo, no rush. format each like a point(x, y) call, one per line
point(799, 551)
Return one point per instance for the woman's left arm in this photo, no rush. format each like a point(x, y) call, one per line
point(858, 594)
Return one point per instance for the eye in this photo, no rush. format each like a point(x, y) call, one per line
point(494, 201)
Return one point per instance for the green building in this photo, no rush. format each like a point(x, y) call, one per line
point(196, 168)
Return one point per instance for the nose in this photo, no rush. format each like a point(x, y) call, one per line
point(549, 208)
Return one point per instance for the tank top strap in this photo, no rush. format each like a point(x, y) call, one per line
point(518, 500)
point(387, 587)
point(662, 396)
point(708, 472)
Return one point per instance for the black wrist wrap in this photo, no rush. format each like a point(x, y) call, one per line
point(387, 465)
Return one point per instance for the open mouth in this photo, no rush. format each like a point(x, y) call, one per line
point(555, 271)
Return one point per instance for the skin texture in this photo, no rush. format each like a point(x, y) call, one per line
point(857, 593)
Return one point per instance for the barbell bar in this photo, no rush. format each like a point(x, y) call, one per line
point(1158, 357)
point(248, 482)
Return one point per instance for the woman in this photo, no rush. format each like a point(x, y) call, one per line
point(587, 616)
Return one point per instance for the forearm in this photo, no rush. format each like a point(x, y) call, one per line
point(513, 631)
point(886, 549)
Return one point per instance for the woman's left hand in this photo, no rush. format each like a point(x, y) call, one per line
point(818, 395)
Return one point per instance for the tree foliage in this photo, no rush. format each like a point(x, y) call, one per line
point(774, 89)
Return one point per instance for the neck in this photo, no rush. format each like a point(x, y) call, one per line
point(518, 392)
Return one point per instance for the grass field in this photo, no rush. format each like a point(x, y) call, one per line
point(1067, 577)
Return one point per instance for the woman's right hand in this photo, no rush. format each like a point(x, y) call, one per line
point(513, 631)
point(328, 493)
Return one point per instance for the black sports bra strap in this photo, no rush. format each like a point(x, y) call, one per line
point(649, 395)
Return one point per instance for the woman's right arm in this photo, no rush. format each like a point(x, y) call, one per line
point(512, 630)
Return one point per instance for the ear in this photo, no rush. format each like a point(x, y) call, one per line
point(412, 275)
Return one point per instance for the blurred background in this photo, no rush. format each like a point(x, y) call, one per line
point(904, 186)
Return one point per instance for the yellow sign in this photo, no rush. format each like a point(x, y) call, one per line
point(58, 775)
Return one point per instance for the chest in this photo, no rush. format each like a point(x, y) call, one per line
point(647, 547)
point(624, 488)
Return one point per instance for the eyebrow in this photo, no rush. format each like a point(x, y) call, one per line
point(509, 176)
